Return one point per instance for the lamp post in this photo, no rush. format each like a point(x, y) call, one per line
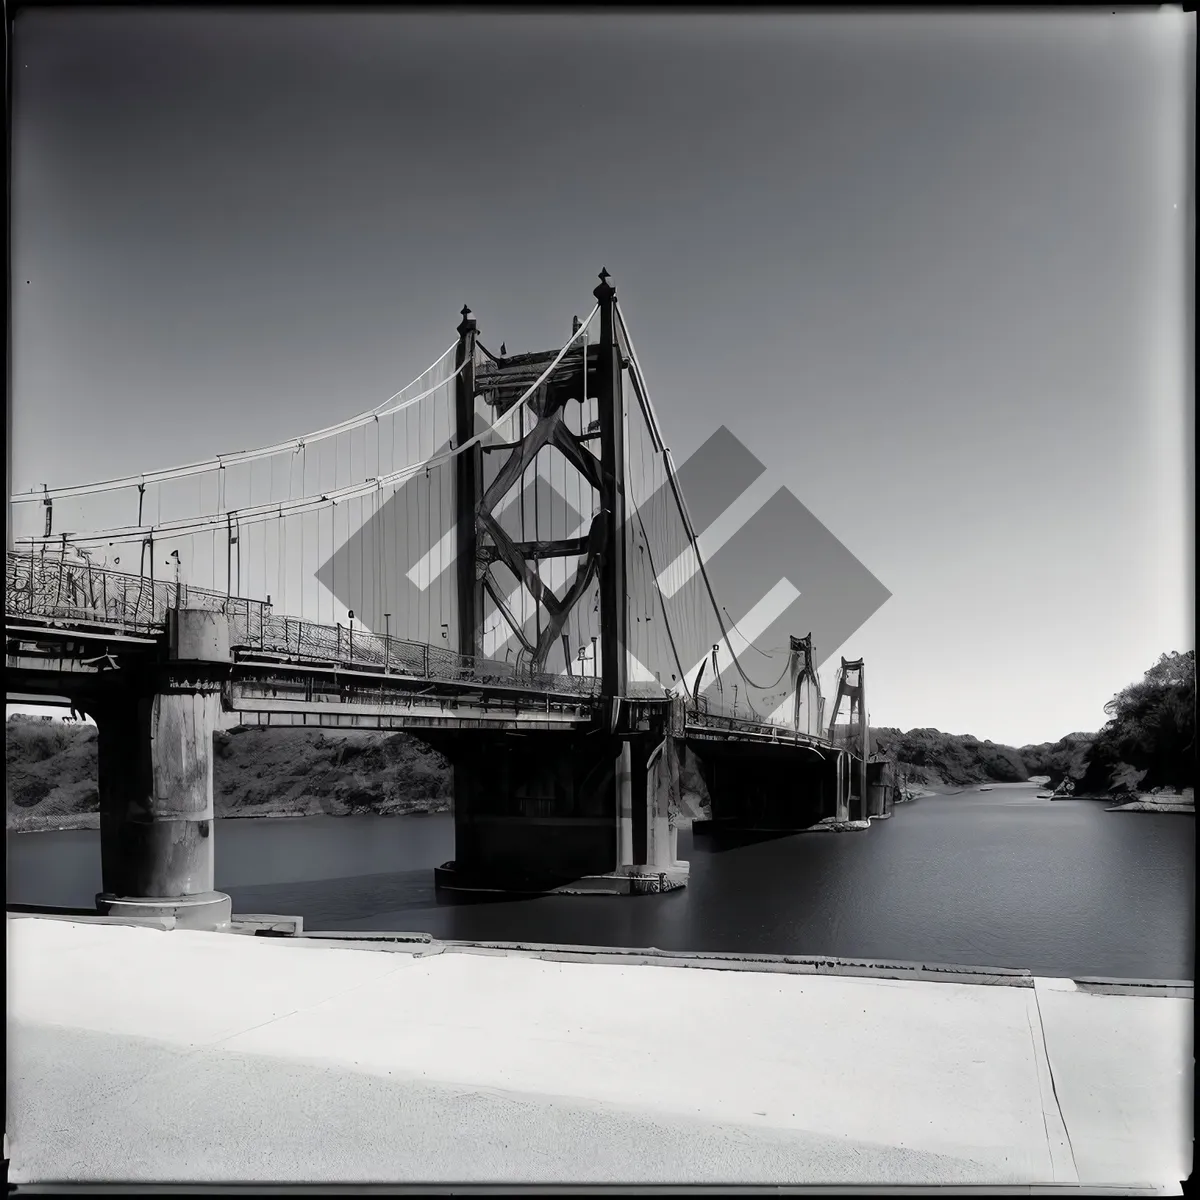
point(387, 643)
point(593, 658)
point(351, 616)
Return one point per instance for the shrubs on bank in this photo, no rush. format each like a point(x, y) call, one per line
point(52, 771)
point(1065, 759)
point(931, 756)
point(1148, 743)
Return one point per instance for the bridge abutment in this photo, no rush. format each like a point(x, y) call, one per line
point(156, 782)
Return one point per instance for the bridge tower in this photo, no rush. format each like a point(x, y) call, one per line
point(533, 807)
point(467, 492)
point(8, 438)
point(853, 791)
point(808, 705)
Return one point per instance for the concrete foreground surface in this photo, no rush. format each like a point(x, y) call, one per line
point(139, 1055)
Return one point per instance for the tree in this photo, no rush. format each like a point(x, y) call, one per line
point(1152, 729)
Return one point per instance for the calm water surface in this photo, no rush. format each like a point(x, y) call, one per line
point(996, 878)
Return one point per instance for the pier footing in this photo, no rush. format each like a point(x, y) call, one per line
point(626, 882)
point(208, 910)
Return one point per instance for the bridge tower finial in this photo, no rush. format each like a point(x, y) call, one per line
point(605, 291)
point(468, 324)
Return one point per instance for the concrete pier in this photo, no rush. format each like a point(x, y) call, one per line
point(155, 743)
point(581, 812)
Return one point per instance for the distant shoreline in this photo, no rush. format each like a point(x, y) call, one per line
point(20, 821)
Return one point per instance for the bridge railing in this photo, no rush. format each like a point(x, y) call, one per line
point(342, 644)
point(57, 588)
point(700, 715)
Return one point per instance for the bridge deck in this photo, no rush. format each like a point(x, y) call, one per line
point(68, 619)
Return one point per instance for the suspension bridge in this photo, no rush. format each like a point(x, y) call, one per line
point(499, 559)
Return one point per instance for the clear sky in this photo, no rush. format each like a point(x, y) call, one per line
point(929, 269)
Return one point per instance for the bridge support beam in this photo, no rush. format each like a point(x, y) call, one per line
point(156, 784)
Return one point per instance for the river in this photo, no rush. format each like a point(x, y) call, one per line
point(996, 878)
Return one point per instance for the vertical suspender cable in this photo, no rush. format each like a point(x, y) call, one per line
point(422, 547)
point(362, 595)
point(641, 390)
point(333, 535)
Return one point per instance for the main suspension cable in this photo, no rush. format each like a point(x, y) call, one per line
point(643, 398)
point(309, 503)
point(237, 457)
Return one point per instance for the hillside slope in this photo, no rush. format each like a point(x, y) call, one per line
point(257, 772)
point(52, 772)
point(932, 757)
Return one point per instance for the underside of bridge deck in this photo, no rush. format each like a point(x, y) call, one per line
point(768, 787)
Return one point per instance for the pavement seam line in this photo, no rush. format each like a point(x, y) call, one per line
point(1037, 1003)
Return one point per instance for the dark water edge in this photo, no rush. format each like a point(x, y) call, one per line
point(996, 878)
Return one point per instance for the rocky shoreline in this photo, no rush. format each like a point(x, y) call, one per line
point(1158, 803)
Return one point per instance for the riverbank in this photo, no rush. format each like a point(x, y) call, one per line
point(567, 1072)
point(1143, 802)
point(35, 822)
point(907, 795)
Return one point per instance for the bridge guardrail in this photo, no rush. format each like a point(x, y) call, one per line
point(52, 586)
point(703, 714)
point(337, 643)
point(55, 587)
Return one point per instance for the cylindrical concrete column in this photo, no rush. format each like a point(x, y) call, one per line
point(156, 786)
